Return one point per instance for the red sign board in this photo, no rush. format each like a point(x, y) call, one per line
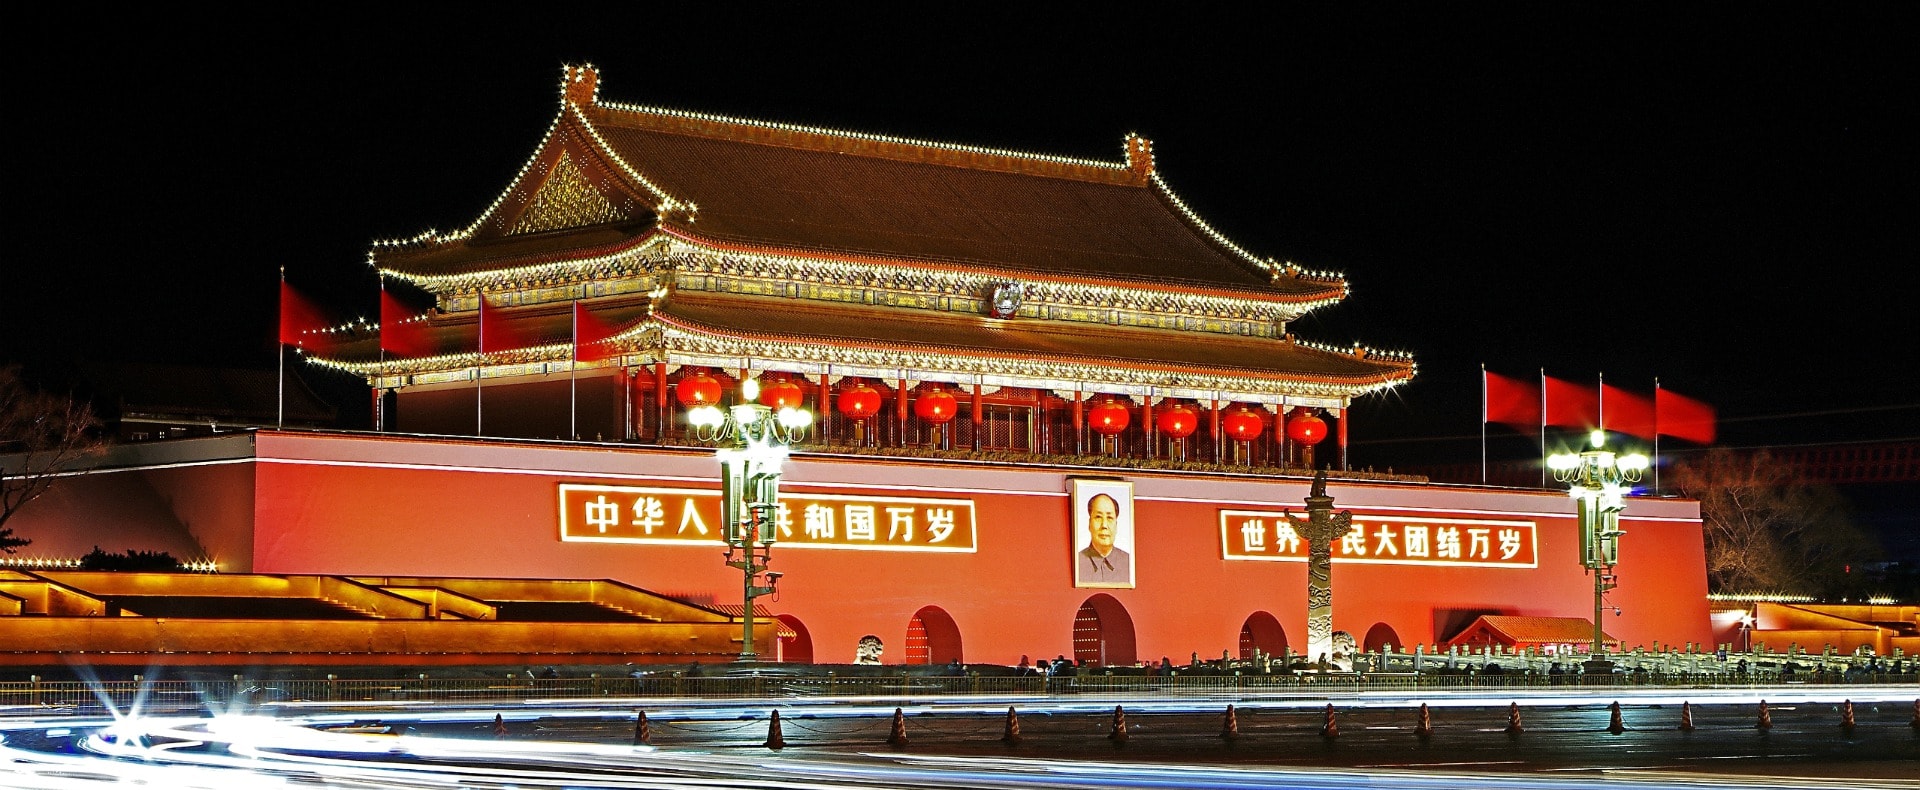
point(691, 516)
point(1385, 539)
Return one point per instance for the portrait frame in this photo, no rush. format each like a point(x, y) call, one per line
point(1116, 570)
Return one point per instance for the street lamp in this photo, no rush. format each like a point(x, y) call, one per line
point(1599, 482)
point(754, 440)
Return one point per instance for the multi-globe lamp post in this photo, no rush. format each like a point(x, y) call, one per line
point(1599, 483)
point(754, 440)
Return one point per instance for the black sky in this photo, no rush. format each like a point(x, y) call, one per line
point(1725, 200)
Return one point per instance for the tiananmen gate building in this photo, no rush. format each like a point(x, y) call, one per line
point(989, 340)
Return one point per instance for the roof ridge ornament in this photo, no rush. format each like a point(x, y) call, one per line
point(1139, 156)
point(580, 85)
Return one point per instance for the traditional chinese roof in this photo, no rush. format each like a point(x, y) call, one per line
point(608, 174)
point(705, 238)
point(1516, 630)
point(698, 323)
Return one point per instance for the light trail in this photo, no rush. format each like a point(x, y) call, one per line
point(294, 747)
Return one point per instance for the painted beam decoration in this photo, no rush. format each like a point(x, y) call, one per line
point(691, 516)
point(1383, 539)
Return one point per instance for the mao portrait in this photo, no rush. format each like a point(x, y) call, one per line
point(1102, 533)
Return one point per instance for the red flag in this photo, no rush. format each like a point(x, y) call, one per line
point(1682, 417)
point(300, 319)
point(496, 331)
point(590, 335)
point(402, 331)
point(1571, 405)
point(1511, 402)
point(1625, 412)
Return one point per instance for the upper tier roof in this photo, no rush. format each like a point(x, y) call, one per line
point(795, 189)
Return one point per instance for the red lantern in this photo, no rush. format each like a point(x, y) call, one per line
point(1307, 429)
point(1177, 421)
point(859, 402)
point(936, 407)
point(1109, 418)
point(782, 394)
point(700, 390)
point(1241, 424)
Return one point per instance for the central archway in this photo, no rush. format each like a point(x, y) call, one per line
point(933, 637)
point(1103, 633)
point(1264, 632)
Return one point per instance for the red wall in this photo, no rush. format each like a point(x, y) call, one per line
point(358, 505)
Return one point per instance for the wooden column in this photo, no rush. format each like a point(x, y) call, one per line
point(1147, 427)
point(977, 421)
point(1214, 417)
point(1285, 455)
point(1343, 441)
point(1043, 438)
point(826, 409)
point(627, 381)
point(1079, 422)
point(900, 414)
point(661, 411)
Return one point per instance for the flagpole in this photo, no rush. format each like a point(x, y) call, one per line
point(480, 370)
point(573, 384)
point(1483, 423)
point(280, 422)
point(1656, 435)
point(380, 397)
point(1543, 427)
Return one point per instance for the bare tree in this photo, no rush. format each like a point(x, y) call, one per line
point(1768, 531)
point(41, 434)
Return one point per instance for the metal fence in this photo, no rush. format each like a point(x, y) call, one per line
point(240, 694)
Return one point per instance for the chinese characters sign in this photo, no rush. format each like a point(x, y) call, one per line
point(626, 514)
point(1390, 540)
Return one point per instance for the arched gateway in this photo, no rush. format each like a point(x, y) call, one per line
point(1103, 633)
point(1262, 631)
point(1381, 635)
point(933, 637)
point(799, 647)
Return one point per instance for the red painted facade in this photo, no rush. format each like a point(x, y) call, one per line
point(366, 505)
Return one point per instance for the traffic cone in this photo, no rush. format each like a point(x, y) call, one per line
point(642, 733)
point(1614, 724)
point(1423, 727)
point(898, 736)
point(1012, 736)
point(499, 726)
point(1766, 718)
point(774, 739)
point(1513, 719)
point(1119, 733)
point(1686, 717)
point(1846, 716)
point(1230, 727)
point(1332, 728)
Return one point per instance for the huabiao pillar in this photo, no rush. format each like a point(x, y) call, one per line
point(1320, 528)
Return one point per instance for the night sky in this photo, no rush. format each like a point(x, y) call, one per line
point(1725, 200)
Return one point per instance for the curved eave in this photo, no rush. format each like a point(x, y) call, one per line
point(1388, 372)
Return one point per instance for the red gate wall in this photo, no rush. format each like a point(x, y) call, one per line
point(336, 504)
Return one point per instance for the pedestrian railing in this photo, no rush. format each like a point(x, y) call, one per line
point(245, 694)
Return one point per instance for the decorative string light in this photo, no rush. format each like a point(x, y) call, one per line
point(1761, 598)
point(39, 563)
